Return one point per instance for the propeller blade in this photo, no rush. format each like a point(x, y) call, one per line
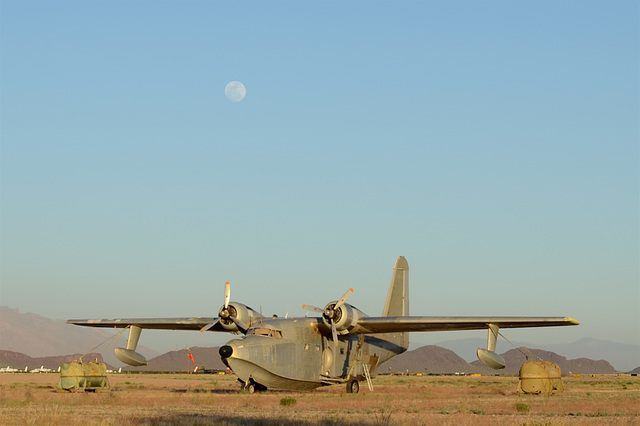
point(227, 294)
point(334, 333)
point(344, 299)
point(208, 326)
point(312, 308)
point(242, 326)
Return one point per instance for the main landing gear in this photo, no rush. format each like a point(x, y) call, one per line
point(252, 387)
point(353, 386)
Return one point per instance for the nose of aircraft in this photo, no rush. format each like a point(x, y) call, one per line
point(225, 351)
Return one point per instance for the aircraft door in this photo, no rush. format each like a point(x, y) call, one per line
point(327, 361)
point(338, 358)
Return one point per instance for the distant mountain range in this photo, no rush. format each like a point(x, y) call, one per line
point(208, 358)
point(425, 360)
point(428, 359)
point(516, 357)
point(623, 356)
point(38, 338)
point(435, 359)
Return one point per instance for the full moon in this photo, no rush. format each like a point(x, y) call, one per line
point(235, 91)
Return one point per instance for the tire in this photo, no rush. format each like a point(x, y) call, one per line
point(353, 386)
point(252, 388)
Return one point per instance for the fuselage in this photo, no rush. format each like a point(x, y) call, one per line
point(299, 354)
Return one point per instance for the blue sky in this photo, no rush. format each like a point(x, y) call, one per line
point(494, 144)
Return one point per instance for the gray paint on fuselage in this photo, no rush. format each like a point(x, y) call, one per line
point(298, 355)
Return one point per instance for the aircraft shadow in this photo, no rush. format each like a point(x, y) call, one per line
point(209, 419)
point(224, 391)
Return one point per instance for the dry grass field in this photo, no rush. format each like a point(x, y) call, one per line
point(177, 399)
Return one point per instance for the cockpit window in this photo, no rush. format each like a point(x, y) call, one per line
point(267, 332)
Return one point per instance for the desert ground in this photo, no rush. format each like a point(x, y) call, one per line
point(204, 399)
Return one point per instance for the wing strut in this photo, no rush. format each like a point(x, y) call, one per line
point(492, 337)
point(129, 355)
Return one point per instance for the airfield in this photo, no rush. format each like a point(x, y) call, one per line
point(203, 399)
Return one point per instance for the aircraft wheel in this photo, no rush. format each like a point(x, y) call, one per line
point(252, 388)
point(353, 386)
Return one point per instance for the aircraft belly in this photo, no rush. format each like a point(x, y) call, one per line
point(246, 371)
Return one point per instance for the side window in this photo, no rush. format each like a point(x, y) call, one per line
point(266, 332)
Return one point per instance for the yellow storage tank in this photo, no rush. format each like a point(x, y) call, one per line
point(87, 376)
point(540, 377)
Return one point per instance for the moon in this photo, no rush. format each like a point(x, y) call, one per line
point(235, 91)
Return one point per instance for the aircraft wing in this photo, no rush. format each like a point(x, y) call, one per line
point(152, 323)
point(413, 323)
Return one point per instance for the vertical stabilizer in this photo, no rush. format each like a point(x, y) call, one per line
point(397, 303)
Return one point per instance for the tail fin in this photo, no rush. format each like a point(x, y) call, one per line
point(397, 303)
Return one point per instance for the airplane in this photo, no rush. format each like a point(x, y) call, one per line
point(42, 370)
point(8, 369)
point(341, 346)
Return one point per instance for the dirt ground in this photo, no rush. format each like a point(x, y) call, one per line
point(204, 399)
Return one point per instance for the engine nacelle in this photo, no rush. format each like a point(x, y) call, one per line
point(245, 314)
point(345, 317)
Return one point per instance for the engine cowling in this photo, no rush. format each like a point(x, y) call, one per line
point(345, 317)
point(241, 312)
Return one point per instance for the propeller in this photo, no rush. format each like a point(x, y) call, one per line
point(225, 313)
point(331, 312)
point(227, 294)
point(312, 308)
